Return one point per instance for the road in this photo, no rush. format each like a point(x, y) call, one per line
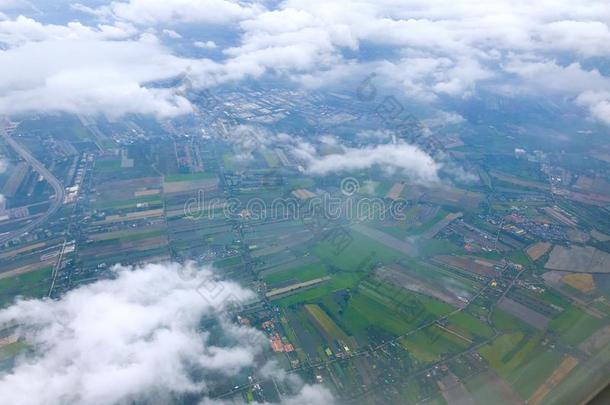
point(58, 199)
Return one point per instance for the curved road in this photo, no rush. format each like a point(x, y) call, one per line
point(47, 175)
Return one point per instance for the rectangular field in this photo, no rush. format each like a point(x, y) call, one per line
point(524, 313)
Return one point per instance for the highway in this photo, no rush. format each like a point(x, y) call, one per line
point(58, 187)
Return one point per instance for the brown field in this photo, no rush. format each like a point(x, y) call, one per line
point(127, 246)
point(126, 233)
point(600, 155)
point(557, 215)
point(579, 259)
point(303, 194)
point(143, 193)
point(401, 277)
point(537, 250)
point(183, 186)
point(145, 244)
point(526, 314)
point(558, 375)
point(584, 183)
point(395, 191)
point(600, 236)
point(24, 249)
point(464, 199)
point(501, 387)
point(582, 281)
point(27, 268)
point(454, 391)
point(577, 236)
point(126, 189)
point(436, 228)
point(296, 287)
point(596, 341)
point(470, 264)
point(131, 216)
point(596, 185)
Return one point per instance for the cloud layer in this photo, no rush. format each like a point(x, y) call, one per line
point(425, 49)
point(136, 338)
point(90, 76)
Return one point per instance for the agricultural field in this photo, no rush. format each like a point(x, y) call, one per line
point(34, 284)
point(499, 354)
point(575, 325)
point(491, 286)
point(578, 259)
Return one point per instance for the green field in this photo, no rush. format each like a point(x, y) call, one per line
point(359, 250)
point(438, 246)
point(315, 294)
point(586, 378)
point(496, 351)
point(108, 166)
point(506, 322)
point(298, 274)
point(574, 325)
point(521, 360)
point(534, 371)
point(34, 284)
point(346, 266)
point(470, 326)
point(402, 311)
point(170, 178)
point(428, 345)
point(328, 326)
point(228, 262)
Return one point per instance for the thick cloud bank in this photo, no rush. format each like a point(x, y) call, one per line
point(88, 77)
point(429, 50)
point(137, 337)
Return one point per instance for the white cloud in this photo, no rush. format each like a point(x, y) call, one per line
point(136, 338)
point(310, 395)
point(172, 34)
point(448, 48)
point(378, 135)
point(444, 118)
point(205, 45)
point(123, 339)
point(409, 159)
point(22, 30)
point(152, 12)
point(435, 48)
point(589, 88)
point(425, 78)
point(90, 77)
point(552, 77)
point(598, 103)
